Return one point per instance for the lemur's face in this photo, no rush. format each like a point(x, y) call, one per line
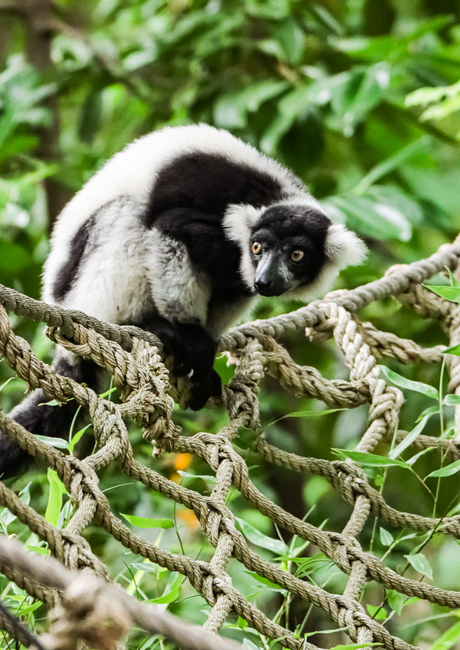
point(288, 248)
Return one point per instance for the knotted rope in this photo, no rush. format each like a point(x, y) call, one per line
point(134, 360)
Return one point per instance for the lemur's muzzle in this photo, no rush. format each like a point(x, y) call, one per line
point(271, 277)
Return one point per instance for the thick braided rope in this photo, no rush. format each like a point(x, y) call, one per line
point(69, 470)
point(143, 382)
point(87, 592)
point(65, 319)
point(334, 605)
point(121, 532)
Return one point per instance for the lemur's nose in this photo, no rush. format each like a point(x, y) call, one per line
point(262, 285)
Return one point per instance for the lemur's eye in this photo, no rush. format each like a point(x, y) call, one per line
point(257, 248)
point(297, 255)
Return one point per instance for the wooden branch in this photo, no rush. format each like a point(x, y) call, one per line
point(12, 7)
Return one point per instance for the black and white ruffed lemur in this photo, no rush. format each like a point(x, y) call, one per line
point(178, 234)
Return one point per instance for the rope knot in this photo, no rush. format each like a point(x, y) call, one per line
point(342, 545)
point(87, 614)
point(350, 480)
point(79, 556)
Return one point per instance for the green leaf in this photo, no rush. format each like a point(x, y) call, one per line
point(448, 639)
point(385, 537)
point(322, 91)
point(172, 590)
point(370, 460)
point(307, 414)
point(146, 567)
point(315, 488)
point(6, 517)
point(308, 565)
point(13, 258)
point(28, 608)
point(446, 292)
point(24, 494)
point(246, 437)
point(170, 597)
point(402, 382)
point(448, 470)
point(57, 489)
point(429, 26)
point(420, 564)
point(91, 115)
point(425, 96)
point(378, 48)
point(452, 278)
point(413, 459)
point(377, 612)
point(396, 204)
point(452, 400)
point(395, 600)
point(41, 550)
point(269, 9)
point(292, 107)
point(264, 581)
point(77, 436)
point(291, 39)
point(409, 439)
point(364, 92)
point(455, 350)
point(431, 410)
point(259, 539)
point(326, 17)
point(394, 162)
point(385, 47)
point(355, 646)
point(231, 110)
point(59, 443)
point(370, 217)
point(6, 383)
point(146, 522)
point(205, 477)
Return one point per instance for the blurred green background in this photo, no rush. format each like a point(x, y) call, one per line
point(362, 100)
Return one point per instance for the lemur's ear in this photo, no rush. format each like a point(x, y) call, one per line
point(343, 247)
point(238, 221)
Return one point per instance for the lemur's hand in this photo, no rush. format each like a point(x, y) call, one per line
point(201, 351)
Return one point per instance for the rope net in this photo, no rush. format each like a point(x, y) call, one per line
point(147, 398)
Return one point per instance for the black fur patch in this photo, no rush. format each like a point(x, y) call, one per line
point(173, 345)
point(202, 349)
point(192, 348)
point(208, 248)
point(208, 183)
point(188, 203)
point(67, 273)
point(290, 220)
point(189, 200)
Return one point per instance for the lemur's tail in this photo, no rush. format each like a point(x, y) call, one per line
point(37, 416)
